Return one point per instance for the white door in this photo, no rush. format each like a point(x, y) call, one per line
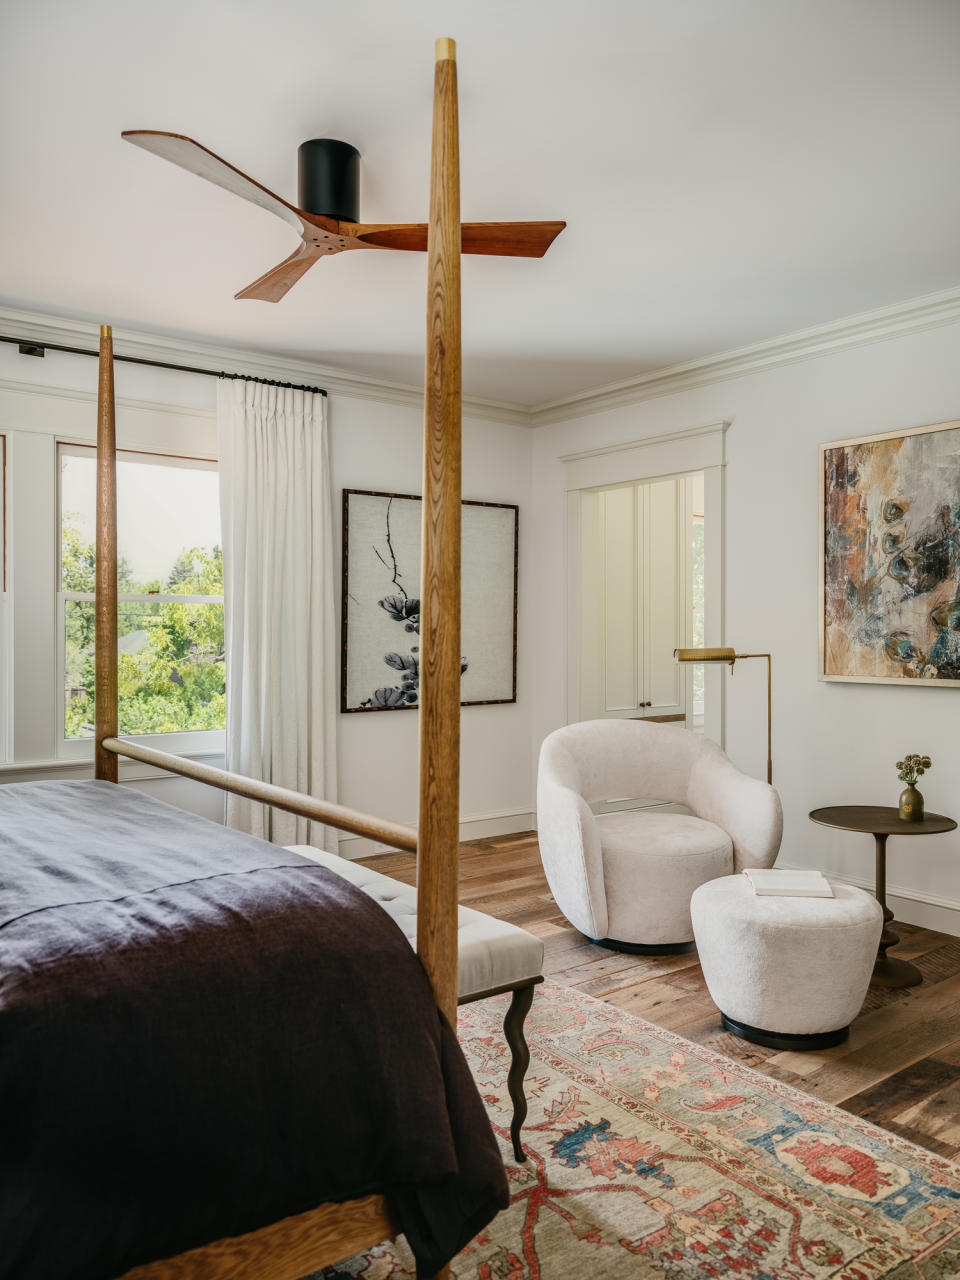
point(637, 598)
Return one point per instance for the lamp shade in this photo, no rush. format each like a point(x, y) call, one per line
point(704, 655)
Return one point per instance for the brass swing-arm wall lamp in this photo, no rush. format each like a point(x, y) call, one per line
point(731, 656)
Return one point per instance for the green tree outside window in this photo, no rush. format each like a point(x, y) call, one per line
point(170, 653)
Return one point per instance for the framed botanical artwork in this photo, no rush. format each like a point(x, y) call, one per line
point(890, 557)
point(380, 619)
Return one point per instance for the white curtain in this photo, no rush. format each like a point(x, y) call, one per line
point(275, 504)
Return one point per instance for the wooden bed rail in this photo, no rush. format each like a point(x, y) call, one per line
point(382, 830)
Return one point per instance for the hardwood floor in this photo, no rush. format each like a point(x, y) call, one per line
point(900, 1068)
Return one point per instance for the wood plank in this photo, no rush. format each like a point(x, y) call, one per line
point(916, 942)
point(937, 1117)
point(884, 1056)
point(651, 967)
point(897, 1096)
point(879, 1025)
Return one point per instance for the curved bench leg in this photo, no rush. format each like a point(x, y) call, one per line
point(520, 1003)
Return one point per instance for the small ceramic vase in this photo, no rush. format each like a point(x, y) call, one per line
point(911, 804)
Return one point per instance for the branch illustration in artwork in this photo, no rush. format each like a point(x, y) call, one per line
point(406, 610)
point(397, 575)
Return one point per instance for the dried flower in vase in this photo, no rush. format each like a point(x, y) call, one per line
point(912, 767)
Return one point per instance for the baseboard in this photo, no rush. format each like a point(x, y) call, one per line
point(482, 827)
point(912, 906)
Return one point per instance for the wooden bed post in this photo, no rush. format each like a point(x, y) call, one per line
point(106, 764)
point(439, 820)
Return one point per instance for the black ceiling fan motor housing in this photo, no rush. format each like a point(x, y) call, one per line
point(329, 179)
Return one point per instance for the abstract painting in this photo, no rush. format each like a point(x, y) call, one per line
point(890, 563)
point(380, 619)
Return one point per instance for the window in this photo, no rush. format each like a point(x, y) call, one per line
point(170, 594)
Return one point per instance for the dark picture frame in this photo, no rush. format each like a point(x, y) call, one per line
point(380, 590)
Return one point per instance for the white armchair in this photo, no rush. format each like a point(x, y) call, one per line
point(625, 879)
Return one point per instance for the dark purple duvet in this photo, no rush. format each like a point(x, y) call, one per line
point(201, 1033)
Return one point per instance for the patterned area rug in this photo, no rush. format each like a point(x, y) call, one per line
point(651, 1156)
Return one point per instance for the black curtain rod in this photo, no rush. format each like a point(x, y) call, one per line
point(28, 348)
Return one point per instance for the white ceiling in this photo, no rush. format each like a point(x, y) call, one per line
point(730, 170)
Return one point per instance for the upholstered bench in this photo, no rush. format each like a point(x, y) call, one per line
point(788, 973)
point(493, 957)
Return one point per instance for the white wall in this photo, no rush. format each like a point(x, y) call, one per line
point(379, 446)
point(373, 446)
point(833, 743)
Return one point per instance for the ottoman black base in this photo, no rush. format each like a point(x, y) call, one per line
point(645, 948)
point(782, 1039)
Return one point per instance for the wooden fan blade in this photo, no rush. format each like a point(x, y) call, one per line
point(277, 282)
point(198, 159)
point(504, 239)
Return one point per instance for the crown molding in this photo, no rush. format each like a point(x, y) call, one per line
point(9, 386)
point(914, 316)
point(33, 326)
point(929, 312)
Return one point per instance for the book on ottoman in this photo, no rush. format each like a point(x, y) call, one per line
point(770, 882)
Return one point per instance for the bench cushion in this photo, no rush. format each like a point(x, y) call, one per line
point(491, 953)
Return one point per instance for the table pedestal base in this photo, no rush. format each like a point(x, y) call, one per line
point(882, 821)
point(891, 972)
point(888, 970)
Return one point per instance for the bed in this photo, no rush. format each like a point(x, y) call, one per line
point(138, 991)
point(200, 1033)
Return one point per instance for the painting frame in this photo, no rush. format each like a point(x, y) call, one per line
point(345, 598)
point(902, 433)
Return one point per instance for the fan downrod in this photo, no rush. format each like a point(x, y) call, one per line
point(329, 179)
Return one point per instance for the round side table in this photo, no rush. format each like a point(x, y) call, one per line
point(882, 821)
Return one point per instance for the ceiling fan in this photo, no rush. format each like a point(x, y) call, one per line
point(329, 186)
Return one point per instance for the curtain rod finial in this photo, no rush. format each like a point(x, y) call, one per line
point(446, 50)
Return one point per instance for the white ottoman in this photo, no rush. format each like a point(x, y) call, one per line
point(788, 973)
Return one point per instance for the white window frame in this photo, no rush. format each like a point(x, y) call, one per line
point(191, 742)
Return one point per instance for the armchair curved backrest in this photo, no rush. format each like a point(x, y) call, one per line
point(597, 760)
point(626, 759)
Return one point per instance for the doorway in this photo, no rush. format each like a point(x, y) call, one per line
point(666, 495)
point(642, 597)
